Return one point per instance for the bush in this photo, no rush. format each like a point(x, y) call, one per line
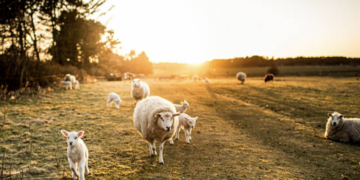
point(273, 70)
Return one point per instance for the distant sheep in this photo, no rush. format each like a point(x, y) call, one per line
point(69, 77)
point(241, 77)
point(268, 77)
point(77, 84)
point(67, 84)
point(342, 129)
point(156, 119)
point(195, 77)
point(187, 123)
point(182, 108)
point(113, 97)
point(207, 80)
point(78, 154)
point(139, 90)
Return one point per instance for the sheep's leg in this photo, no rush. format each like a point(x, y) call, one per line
point(161, 148)
point(152, 148)
point(82, 164)
point(73, 169)
point(87, 167)
point(190, 133)
point(177, 132)
point(187, 134)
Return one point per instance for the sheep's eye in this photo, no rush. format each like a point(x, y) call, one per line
point(75, 137)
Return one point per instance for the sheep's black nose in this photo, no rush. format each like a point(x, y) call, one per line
point(334, 123)
point(167, 128)
point(70, 143)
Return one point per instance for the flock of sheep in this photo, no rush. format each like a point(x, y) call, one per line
point(158, 119)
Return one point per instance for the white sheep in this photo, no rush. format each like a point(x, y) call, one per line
point(182, 108)
point(67, 84)
point(195, 77)
point(342, 129)
point(77, 153)
point(139, 90)
point(156, 120)
point(77, 84)
point(187, 123)
point(113, 97)
point(207, 80)
point(241, 77)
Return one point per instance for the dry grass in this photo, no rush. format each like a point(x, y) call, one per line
point(251, 131)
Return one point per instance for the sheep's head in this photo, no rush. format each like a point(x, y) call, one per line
point(136, 82)
point(73, 137)
point(185, 104)
point(165, 119)
point(117, 102)
point(336, 118)
point(191, 121)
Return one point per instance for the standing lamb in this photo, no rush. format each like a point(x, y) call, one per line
point(268, 77)
point(113, 97)
point(140, 90)
point(77, 84)
point(187, 123)
point(182, 108)
point(156, 119)
point(342, 129)
point(77, 153)
point(241, 77)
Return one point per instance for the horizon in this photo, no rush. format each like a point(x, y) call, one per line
point(199, 31)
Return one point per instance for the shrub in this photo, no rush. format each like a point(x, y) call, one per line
point(273, 70)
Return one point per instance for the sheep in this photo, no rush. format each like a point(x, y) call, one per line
point(195, 77)
point(77, 84)
point(187, 123)
point(113, 97)
point(241, 77)
point(77, 153)
point(268, 77)
point(69, 77)
point(182, 108)
point(207, 80)
point(140, 90)
point(156, 120)
point(342, 129)
point(68, 84)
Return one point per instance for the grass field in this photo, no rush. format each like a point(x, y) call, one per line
point(251, 131)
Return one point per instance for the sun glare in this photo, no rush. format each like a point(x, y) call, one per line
point(198, 31)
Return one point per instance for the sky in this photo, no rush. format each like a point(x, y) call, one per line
point(194, 31)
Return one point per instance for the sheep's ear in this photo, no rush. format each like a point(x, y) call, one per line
point(185, 101)
point(176, 114)
point(157, 115)
point(329, 114)
point(341, 116)
point(81, 133)
point(65, 133)
point(196, 117)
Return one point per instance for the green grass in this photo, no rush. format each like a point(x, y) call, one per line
point(251, 131)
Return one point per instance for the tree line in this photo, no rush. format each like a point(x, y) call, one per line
point(45, 39)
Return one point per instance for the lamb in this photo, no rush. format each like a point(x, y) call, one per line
point(156, 120)
point(268, 77)
point(77, 84)
point(69, 77)
point(187, 123)
point(342, 129)
point(207, 80)
point(241, 77)
point(182, 108)
point(140, 90)
point(113, 97)
point(68, 84)
point(77, 153)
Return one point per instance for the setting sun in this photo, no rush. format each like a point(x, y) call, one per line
point(197, 31)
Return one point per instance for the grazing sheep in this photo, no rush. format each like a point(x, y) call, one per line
point(67, 84)
point(342, 129)
point(156, 119)
point(77, 84)
point(140, 90)
point(77, 153)
point(67, 77)
point(241, 77)
point(182, 108)
point(187, 123)
point(207, 80)
point(113, 97)
point(269, 77)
